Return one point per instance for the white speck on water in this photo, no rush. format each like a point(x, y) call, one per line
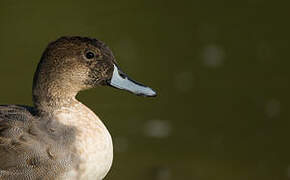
point(163, 174)
point(157, 128)
point(288, 171)
point(272, 108)
point(213, 56)
point(184, 81)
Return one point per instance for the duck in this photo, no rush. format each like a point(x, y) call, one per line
point(58, 137)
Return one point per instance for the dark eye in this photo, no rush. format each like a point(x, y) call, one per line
point(90, 55)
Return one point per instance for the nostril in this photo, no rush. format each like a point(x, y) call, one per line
point(123, 75)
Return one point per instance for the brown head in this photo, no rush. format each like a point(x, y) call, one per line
point(71, 64)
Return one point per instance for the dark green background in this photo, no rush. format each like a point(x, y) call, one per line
point(220, 67)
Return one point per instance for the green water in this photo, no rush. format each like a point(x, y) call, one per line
point(221, 70)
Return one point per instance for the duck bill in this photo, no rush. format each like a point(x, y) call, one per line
point(121, 81)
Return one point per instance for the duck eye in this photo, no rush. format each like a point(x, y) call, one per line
point(90, 55)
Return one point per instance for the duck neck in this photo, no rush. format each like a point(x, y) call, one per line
point(50, 97)
point(51, 92)
point(54, 87)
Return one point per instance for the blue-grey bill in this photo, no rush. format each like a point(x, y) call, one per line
point(122, 81)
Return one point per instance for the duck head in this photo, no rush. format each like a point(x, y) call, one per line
point(71, 64)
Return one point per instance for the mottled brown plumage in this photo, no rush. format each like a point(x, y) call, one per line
point(33, 147)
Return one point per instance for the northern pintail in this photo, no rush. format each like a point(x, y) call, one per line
point(59, 137)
